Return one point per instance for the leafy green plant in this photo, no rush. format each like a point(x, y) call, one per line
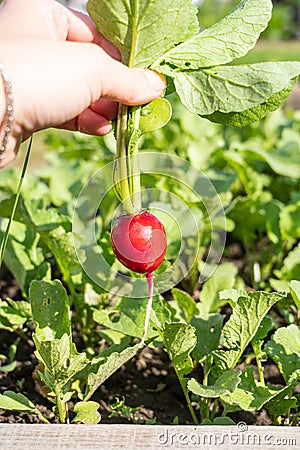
point(196, 65)
point(119, 408)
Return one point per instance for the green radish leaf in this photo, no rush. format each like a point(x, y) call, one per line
point(208, 331)
point(14, 314)
point(225, 384)
point(129, 316)
point(250, 394)
point(218, 421)
point(213, 46)
point(105, 364)
point(87, 413)
point(284, 159)
point(223, 278)
point(284, 349)
point(50, 309)
point(143, 30)
point(66, 180)
point(16, 402)
point(266, 325)
point(232, 88)
point(51, 226)
point(250, 207)
point(243, 118)
point(281, 403)
point(10, 367)
point(295, 292)
point(289, 221)
point(246, 318)
point(155, 114)
point(23, 257)
point(242, 326)
point(186, 303)
point(61, 245)
point(61, 360)
point(291, 265)
point(32, 213)
point(231, 295)
point(179, 340)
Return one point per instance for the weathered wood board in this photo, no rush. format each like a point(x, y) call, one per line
point(139, 437)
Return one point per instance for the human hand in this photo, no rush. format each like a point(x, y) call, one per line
point(63, 72)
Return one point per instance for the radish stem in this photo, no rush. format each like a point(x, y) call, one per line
point(122, 158)
point(150, 278)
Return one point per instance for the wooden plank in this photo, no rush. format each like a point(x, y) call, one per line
point(151, 437)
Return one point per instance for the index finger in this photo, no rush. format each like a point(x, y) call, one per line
point(82, 29)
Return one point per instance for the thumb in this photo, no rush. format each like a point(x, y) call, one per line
point(131, 86)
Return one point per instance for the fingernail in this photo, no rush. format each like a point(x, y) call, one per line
point(156, 80)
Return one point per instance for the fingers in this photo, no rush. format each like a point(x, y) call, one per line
point(38, 19)
point(94, 120)
point(106, 108)
point(82, 29)
point(48, 19)
point(88, 122)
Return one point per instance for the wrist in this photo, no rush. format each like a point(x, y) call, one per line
point(2, 105)
point(6, 110)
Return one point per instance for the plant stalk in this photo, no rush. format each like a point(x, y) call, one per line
point(256, 345)
point(127, 172)
point(22, 176)
point(42, 417)
point(122, 171)
point(136, 179)
point(188, 400)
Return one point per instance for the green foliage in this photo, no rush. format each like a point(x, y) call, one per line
point(105, 364)
point(226, 383)
point(119, 408)
point(50, 309)
point(53, 339)
point(223, 278)
point(192, 332)
point(197, 62)
point(18, 402)
point(87, 413)
point(250, 395)
point(248, 312)
point(129, 30)
point(155, 114)
point(284, 349)
point(295, 291)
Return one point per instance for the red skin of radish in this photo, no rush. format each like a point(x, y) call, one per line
point(139, 241)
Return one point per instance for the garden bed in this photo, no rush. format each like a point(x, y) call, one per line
point(148, 384)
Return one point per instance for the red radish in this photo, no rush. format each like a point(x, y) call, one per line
point(139, 241)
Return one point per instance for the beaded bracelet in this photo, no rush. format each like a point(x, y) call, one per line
point(8, 118)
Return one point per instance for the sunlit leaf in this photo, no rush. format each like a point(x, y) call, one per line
point(87, 413)
point(284, 349)
point(134, 28)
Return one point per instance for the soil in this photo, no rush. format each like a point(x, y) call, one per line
point(148, 383)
